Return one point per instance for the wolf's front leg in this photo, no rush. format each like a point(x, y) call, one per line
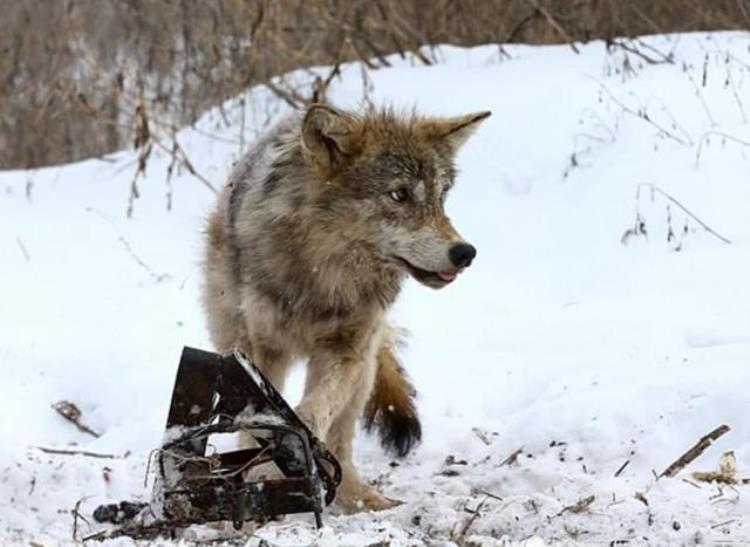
point(339, 383)
point(339, 365)
point(354, 494)
point(331, 381)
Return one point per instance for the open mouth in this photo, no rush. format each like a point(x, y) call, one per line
point(435, 280)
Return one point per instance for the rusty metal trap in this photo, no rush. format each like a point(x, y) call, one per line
point(212, 395)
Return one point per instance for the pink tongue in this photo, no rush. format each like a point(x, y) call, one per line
point(447, 276)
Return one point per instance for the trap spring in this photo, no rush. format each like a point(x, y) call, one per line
point(216, 394)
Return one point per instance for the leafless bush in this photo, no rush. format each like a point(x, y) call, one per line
point(73, 73)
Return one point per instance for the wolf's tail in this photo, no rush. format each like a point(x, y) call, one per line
point(391, 406)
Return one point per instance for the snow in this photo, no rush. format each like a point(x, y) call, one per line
point(561, 341)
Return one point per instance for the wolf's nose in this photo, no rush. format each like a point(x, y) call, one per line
point(462, 254)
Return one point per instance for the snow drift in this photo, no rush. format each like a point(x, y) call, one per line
point(601, 332)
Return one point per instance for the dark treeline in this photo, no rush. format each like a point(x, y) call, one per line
point(74, 72)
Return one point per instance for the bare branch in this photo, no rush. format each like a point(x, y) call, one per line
point(86, 453)
point(694, 451)
point(72, 413)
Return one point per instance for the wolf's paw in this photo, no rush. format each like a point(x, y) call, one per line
point(356, 496)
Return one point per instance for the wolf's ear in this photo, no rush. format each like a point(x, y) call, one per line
point(456, 130)
point(329, 135)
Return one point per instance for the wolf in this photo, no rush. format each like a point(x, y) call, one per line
point(313, 236)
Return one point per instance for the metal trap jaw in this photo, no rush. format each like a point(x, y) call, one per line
point(215, 394)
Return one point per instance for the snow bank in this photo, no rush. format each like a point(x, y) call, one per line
point(581, 344)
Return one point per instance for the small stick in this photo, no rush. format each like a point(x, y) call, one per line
point(513, 457)
point(691, 483)
point(490, 495)
point(696, 450)
point(72, 413)
point(76, 515)
point(475, 515)
point(640, 496)
point(730, 521)
point(482, 435)
point(622, 468)
point(101, 535)
point(578, 506)
point(61, 452)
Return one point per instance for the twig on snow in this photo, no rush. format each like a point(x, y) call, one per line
point(640, 496)
point(101, 535)
point(475, 514)
point(482, 435)
point(579, 506)
point(86, 453)
point(490, 495)
point(696, 450)
point(691, 483)
point(513, 457)
point(622, 468)
point(72, 413)
point(76, 516)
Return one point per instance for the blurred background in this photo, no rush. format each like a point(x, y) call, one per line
point(81, 78)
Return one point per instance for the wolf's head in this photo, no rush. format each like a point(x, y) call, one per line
point(384, 182)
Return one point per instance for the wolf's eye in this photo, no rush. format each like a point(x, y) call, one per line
point(399, 195)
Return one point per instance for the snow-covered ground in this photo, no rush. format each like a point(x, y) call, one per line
point(580, 344)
